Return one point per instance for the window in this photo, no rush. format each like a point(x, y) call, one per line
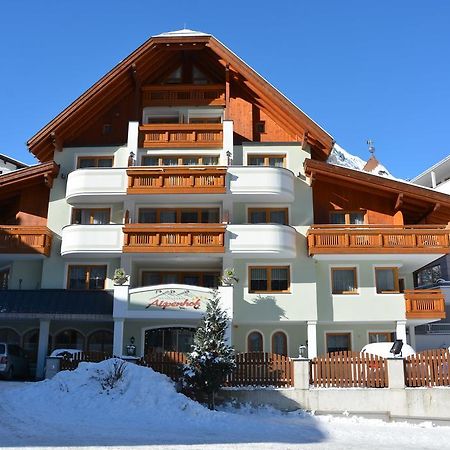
point(9, 335)
point(380, 336)
point(101, 341)
point(94, 161)
point(428, 275)
point(4, 277)
point(185, 160)
point(343, 280)
point(203, 279)
point(346, 218)
point(91, 216)
point(181, 215)
point(338, 342)
point(86, 277)
point(269, 279)
point(268, 215)
point(266, 160)
point(386, 280)
point(279, 343)
point(255, 342)
point(69, 339)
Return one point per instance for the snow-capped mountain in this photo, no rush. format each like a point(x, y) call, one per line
point(341, 157)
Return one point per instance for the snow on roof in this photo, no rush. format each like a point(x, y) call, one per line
point(184, 32)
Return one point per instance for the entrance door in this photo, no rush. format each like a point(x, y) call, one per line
point(177, 339)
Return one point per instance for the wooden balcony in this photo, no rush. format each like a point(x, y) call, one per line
point(177, 180)
point(356, 239)
point(425, 304)
point(174, 238)
point(181, 135)
point(25, 240)
point(184, 95)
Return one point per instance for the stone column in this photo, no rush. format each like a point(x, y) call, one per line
point(118, 337)
point(396, 373)
point(44, 328)
point(401, 330)
point(312, 338)
point(301, 373)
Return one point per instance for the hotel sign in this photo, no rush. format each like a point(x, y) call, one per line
point(173, 299)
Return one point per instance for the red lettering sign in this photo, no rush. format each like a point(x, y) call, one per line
point(181, 304)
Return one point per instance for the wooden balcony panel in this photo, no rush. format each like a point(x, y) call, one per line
point(356, 239)
point(177, 180)
point(25, 240)
point(184, 95)
point(425, 304)
point(182, 135)
point(174, 238)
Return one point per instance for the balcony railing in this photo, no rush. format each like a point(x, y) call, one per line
point(174, 238)
point(176, 135)
point(185, 95)
point(25, 240)
point(425, 304)
point(177, 180)
point(340, 239)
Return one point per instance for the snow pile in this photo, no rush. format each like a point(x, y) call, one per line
point(340, 157)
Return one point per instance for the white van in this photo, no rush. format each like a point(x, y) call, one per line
point(383, 349)
point(13, 361)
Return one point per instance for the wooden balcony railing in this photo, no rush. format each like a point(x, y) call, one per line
point(176, 135)
point(174, 238)
point(425, 304)
point(339, 239)
point(177, 180)
point(186, 95)
point(25, 240)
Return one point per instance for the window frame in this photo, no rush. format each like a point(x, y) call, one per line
point(248, 341)
point(96, 159)
point(178, 211)
point(268, 211)
point(272, 339)
point(396, 280)
point(266, 157)
point(388, 334)
point(269, 279)
point(91, 217)
point(88, 268)
point(339, 333)
point(347, 214)
point(354, 269)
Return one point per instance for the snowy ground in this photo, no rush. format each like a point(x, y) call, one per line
point(144, 410)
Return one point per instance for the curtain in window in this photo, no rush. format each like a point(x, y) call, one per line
point(258, 280)
point(279, 279)
point(385, 279)
point(343, 281)
point(100, 217)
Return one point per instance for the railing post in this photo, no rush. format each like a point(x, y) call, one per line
point(396, 373)
point(301, 373)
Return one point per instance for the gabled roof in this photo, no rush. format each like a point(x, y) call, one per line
point(148, 59)
point(29, 176)
point(416, 201)
point(13, 161)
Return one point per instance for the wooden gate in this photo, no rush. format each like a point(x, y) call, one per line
point(348, 369)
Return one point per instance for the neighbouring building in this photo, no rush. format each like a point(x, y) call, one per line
point(8, 164)
point(182, 162)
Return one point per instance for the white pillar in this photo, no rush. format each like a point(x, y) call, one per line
point(227, 142)
point(433, 179)
point(118, 337)
point(412, 336)
point(226, 301)
point(401, 330)
point(44, 328)
point(133, 133)
point(312, 339)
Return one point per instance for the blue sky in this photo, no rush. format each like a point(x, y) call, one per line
point(361, 69)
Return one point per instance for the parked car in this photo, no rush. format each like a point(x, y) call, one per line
point(13, 361)
point(383, 349)
point(65, 353)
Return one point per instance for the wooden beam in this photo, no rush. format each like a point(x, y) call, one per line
point(399, 202)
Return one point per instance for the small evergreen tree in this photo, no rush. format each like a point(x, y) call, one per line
point(211, 359)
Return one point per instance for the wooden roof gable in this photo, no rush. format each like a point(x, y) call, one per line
point(418, 204)
point(150, 61)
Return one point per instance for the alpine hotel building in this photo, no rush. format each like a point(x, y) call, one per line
point(181, 162)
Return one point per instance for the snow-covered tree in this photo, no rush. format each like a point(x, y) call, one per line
point(211, 359)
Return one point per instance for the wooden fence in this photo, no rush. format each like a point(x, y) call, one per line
point(348, 369)
point(71, 362)
point(428, 368)
point(168, 363)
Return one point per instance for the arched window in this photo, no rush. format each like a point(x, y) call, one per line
point(31, 341)
point(279, 343)
point(255, 342)
point(9, 336)
point(69, 339)
point(101, 341)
